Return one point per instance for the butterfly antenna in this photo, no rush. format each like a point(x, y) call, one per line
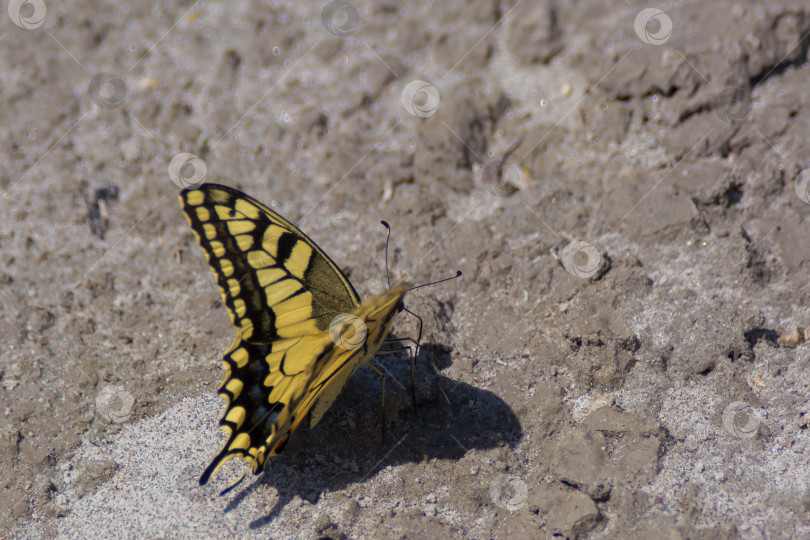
point(403, 308)
point(415, 355)
point(458, 273)
point(419, 337)
point(387, 240)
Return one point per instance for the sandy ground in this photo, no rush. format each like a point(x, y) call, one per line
point(626, 190)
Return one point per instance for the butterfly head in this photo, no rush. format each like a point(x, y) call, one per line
point(398, 292)
point(388, 304)
point(374, 316)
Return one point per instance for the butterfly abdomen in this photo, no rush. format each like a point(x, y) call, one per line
point(378, 315)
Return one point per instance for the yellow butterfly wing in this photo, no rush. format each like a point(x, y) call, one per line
point(265, 267)
point(346, 355)
point(284, 295)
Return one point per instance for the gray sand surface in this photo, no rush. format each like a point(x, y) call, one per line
point(625, 187)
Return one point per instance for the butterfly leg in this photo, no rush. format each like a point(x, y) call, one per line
point(382, 401)
point(413, 352)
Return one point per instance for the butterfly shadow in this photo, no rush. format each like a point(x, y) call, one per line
point(346, 447)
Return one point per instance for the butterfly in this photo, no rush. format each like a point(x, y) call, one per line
point(301, 329)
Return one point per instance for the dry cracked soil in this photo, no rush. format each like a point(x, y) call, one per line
point(625, 187)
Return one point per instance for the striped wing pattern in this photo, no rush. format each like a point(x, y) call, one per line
point(281, 292)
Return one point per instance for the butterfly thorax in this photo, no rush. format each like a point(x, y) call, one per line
point(378, 312)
